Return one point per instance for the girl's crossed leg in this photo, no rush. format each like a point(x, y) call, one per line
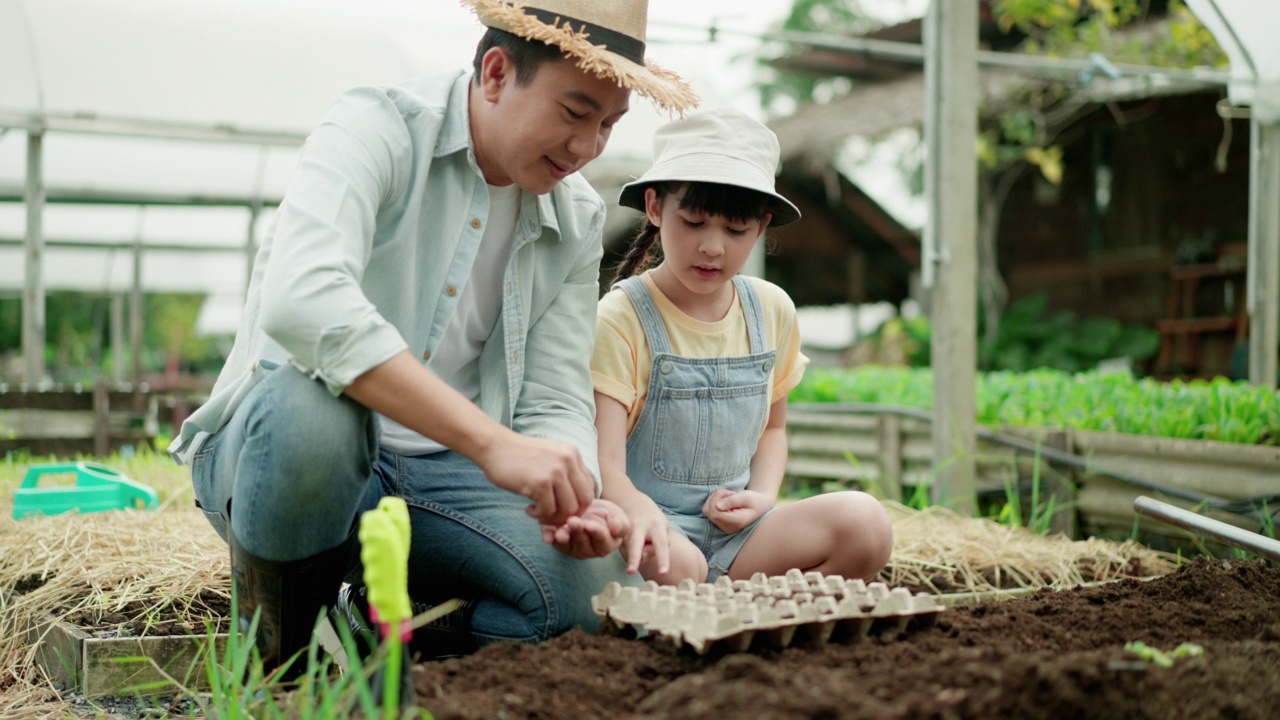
point(842, 533)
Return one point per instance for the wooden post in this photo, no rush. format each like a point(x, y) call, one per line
point(1264, 252)
point(33, 330)
point(1060, 484)
point(889, 437)
point(951, 237)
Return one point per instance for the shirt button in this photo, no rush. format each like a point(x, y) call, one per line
point(426, 355)
point(768, 365)
point(451, 291)
point(475, 223)
point(665, 368)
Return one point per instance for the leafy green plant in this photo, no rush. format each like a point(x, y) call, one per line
point(1221, 409)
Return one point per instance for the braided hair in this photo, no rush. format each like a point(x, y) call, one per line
point(730, 201)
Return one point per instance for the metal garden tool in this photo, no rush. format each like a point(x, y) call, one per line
point(1208, 527)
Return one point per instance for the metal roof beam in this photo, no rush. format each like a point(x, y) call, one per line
point(69, 244)
point(1055, 67)
point(90, 124)
point(90, 196)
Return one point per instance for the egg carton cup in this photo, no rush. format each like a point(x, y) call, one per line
point(778, 611)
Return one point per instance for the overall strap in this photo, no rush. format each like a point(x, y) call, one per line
point(655, 331)
point(751, 311)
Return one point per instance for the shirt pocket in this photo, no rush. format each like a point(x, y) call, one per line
point(707, 435)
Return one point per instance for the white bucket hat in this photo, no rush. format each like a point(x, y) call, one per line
point(604, 37)
point(719, 145)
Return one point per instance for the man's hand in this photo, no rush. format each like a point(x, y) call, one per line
point(550, 473)
point(595, 533)
point(732, 511)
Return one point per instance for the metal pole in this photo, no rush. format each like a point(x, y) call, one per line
point(951, 246)
point(250, 248)
point(33, 330)
point(1208, 527)
point(117, 338)
point(1264, 252)
point(135, 317)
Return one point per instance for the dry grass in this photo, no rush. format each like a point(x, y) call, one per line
point(129, 566)
point(939, 551)
point(158, 560)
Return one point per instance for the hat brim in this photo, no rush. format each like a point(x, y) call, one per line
point(662, 87)
point(632, 195)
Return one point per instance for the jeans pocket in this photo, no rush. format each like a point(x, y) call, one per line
point(218, 521)
point(202, 483)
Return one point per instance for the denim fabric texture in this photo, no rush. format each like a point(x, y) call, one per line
point(700, 425)
point(295, 467)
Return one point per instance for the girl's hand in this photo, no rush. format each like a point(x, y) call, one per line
point(596, 533)
point(732, 511)
point(650, 534)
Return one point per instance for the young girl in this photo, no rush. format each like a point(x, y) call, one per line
point(692, 366)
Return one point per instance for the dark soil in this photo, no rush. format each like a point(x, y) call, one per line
point(1050, 655)
point(139, 618)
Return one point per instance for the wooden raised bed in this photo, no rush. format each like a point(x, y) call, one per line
point(119, 666)
point(887, 451)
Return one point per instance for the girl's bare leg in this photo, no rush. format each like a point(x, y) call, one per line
point(843, 533)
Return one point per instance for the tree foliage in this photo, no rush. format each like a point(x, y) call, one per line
point(78, 334)
point(836, 17)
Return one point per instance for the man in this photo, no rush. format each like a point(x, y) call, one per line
point(419, 323)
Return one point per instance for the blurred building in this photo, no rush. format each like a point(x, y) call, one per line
point(1142, 219)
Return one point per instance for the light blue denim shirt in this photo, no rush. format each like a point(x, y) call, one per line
point(370, 251)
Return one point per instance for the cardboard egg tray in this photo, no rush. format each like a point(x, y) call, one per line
point(782, 610)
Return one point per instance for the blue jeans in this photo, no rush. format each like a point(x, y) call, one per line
point(293, 469)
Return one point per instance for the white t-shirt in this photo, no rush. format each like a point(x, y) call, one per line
point(456, 359)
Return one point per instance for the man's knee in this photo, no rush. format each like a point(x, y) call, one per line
point(308, 430)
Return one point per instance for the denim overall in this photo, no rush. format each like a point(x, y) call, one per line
point(700, 425)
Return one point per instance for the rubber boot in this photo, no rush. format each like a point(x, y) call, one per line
point(445, 637)
point(352, 610)
point(288, 597)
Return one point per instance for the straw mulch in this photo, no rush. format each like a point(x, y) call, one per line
point(938, 551)
point(112, 571)
point(109, 565)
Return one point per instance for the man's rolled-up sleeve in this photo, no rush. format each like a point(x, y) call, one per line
point(312, 302)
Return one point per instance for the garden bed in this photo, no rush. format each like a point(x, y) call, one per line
point(115, 577)
point(1055, 654)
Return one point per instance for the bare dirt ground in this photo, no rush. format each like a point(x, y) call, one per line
point(1051, 655)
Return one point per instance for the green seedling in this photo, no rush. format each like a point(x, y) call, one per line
point(1160, 658)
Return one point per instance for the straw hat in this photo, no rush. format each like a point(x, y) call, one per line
point(721, 145)
point(606, 38)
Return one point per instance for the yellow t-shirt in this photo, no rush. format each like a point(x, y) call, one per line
point(621, 361)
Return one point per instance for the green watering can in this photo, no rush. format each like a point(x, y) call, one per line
point(98, 487)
